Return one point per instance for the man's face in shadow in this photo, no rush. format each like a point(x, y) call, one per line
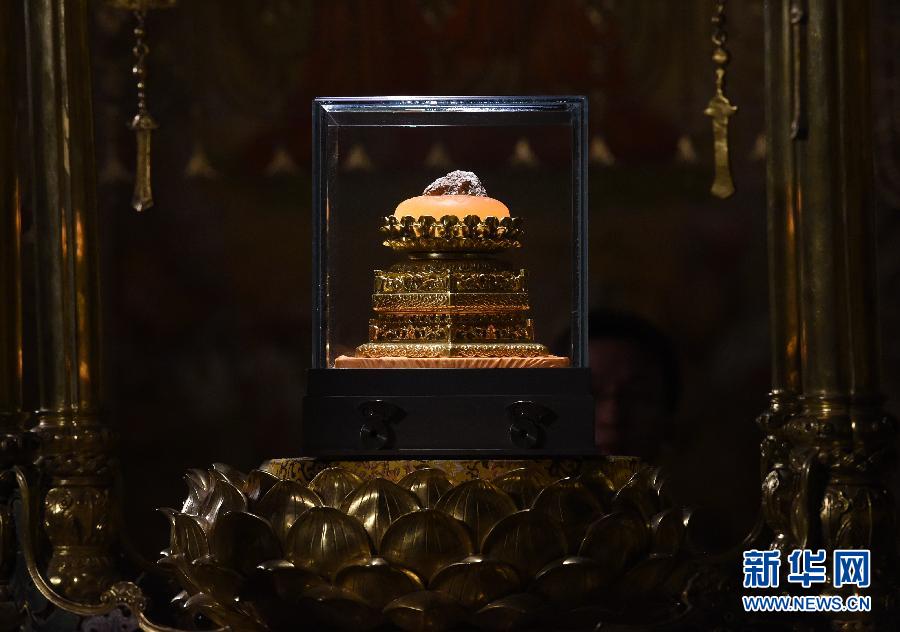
point(630, 398)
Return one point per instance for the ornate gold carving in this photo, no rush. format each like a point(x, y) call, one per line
point(449, 302)
point(438, 475)
point(451, 234)
point(823, 459)
point(74, 452)
point(449, 276)
point(450, 328)
point(73, 444)
point(76, 520)
point(479, 286)
point(119, 594)
point(388, 557)
point(450, 350)
point(125, 593)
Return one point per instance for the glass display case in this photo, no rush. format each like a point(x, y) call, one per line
point(449, 276)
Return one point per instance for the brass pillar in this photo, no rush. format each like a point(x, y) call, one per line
point(824, 452)
point(73, 442)
point(783, 199)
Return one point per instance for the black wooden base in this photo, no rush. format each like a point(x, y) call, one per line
point(448, 412)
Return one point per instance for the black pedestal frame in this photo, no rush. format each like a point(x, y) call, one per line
point(434, 413)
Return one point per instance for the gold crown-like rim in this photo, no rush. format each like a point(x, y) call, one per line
point(451, 234)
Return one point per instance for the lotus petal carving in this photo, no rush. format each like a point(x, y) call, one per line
point(645, 576)
point(242, 541)
point(258, 484)
point(425, 610)
point(425, 541)
point(324, 540)
point(282, 579)
point(476, 581)
point(198, 487)
point(520, 611)
point(188, 536)
point(526, 540)
point(377, 582)
point(616, 540)
point(284, 503)
point(340, 609)
point(229, 474)
point(218, 580)
point(377, 503)
point(397, 546)
point(596, 481)
point(223, 497)
point(428, 484)
point(668, 531)
point(478, 503)
point(333, 484)
point(571, 582)
point(523, 485)
point(638, 494)
point(571, 503)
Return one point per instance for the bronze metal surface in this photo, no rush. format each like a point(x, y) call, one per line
point(466, 559)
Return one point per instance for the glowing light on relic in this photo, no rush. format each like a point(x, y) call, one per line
point(459, 193)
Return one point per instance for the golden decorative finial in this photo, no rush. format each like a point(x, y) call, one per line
point(720, 108)
point(143, 123)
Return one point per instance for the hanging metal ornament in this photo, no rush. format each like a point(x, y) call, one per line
point(143, 123)
point(720, 108)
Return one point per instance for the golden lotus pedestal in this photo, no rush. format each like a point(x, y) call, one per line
point(501, 544)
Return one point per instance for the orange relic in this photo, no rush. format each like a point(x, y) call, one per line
point(459, 193)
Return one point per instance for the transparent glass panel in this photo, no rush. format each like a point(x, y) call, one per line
point(372, 154)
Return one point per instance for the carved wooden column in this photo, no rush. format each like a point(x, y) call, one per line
point(74, 443)
point(827, 434)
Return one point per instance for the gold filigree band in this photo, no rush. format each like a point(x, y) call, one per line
point(450, 302)
point(450, 350)
point(450, 328)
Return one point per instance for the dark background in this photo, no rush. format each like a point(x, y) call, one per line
point(207, 295)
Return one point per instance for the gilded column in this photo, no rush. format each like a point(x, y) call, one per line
point(836, 440)
point(782, 199)
point(74, 443)
point(843, 424)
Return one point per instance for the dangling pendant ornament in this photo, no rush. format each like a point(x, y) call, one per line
point(720, 108)
point(142, 124)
